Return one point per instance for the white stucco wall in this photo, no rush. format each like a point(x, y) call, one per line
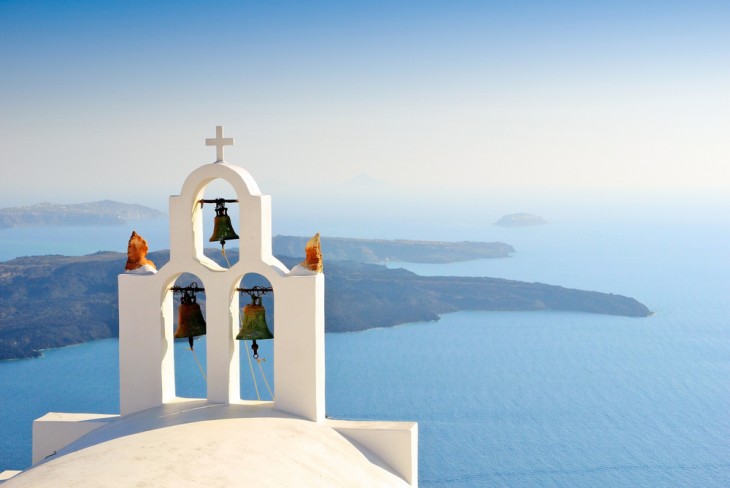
point(145, 308)
point(396, 443)
point(54, 431)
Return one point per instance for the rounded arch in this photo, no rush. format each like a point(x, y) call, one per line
point(253, 222)
point(238, 177)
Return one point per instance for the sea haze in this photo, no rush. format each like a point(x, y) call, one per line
point(523, 399)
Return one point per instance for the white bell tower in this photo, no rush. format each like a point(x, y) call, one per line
point(146, 352)
point(146, 307)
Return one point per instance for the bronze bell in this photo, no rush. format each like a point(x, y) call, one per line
point(190, 321)
point(222, 228)
point(253, 325)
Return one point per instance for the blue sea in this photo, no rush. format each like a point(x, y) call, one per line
point(513, 399)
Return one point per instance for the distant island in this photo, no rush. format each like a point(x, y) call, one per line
point(382, 251)
point(54, 301)
point(105, 212)
point(520, 220)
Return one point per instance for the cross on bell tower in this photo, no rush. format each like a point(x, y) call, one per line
point(219, 141)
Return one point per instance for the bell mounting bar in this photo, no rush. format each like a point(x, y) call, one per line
point(256, 291)
point(192, 287)
point(217, 201)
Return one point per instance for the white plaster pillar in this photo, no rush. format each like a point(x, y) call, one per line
point(223, 375)
point(255, 227)
point(54, 431)
point(299, 346)
point(145, 360)
point(184, 225)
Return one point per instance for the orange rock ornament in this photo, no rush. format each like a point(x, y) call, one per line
point(312, 263)
point(137, 261)
point(313, 253)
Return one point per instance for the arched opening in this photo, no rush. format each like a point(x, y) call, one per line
point(220, 212)
point(256, 321)
point(189, 329)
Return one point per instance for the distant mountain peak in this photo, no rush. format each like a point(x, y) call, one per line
point(520, 220)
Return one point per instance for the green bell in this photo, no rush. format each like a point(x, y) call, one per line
point(253, 325)
point(222, 226)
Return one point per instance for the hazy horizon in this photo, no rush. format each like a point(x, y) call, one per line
point(519, 107)
point(387, 212)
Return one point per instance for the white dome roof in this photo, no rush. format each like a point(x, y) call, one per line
point(196, 443)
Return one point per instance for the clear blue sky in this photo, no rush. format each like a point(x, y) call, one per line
point(113, 99)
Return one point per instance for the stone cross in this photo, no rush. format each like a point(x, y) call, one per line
point(219, 141)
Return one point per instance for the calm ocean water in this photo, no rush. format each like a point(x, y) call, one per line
point(519, 399)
